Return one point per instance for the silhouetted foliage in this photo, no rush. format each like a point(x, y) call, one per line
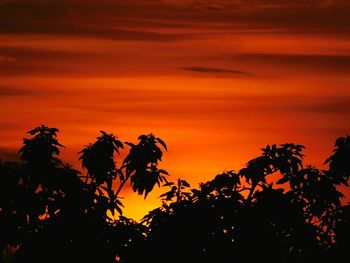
point(275, 209)
point(141, 164)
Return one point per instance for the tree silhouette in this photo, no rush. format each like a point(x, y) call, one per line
point(48, 208)
point(275, 209)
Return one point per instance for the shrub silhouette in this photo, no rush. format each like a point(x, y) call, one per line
point(50, 212)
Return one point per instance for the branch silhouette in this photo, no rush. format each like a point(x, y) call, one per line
point(274, 209)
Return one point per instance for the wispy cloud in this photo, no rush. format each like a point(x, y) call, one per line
point(315, 62)
point(105, 20)
point(4, 58)
point(7, 91)
point(202, 69)
point(153, 20)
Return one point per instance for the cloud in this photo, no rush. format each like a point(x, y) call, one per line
point(106, 20)
point(6, 58)
point(201, 69)
point(56, 62)
point(9, 91)
point(169, 23)
point(332, 105)
point(26, 62)
point(154, 20)
point(320, 62)
point(213, 6)
point(114, 60)
point(76, 30)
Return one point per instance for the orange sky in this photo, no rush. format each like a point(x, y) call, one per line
point(217, 80)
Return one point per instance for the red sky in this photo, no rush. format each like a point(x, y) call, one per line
point(217, 80)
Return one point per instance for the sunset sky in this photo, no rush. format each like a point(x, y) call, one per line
point(216, 80)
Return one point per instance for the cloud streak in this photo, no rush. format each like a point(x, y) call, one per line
point(128, 20)
point(9, 91)
point(203, 69)
point(318, 62)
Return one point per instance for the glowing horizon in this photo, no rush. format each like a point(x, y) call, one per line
point(216, 80)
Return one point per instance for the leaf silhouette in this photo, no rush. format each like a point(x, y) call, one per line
point(48, 208)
